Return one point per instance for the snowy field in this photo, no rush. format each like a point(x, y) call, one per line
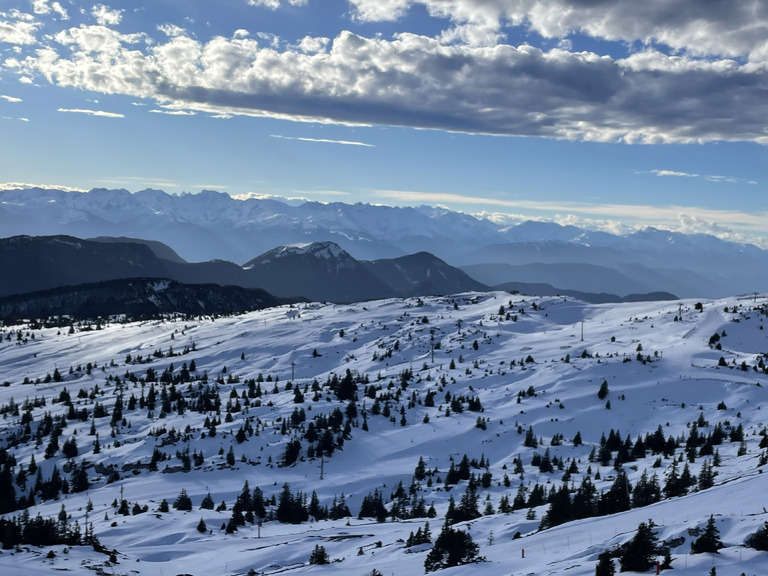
point(530, 362)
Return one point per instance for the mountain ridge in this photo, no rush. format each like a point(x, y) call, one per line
point(320, 271)
point(213, 225)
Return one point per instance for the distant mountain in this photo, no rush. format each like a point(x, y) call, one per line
point(540, 289)
point(31, 263)
point(135, 298)
point(320, 271)
point(423, 274)
point(158, 248)
point(213, 226)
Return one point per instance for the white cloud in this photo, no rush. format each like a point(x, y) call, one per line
point(44, 7)
point(734, 225)
point(674, 173)
point(698, 28)
point(106, 16)
point(23, 185)
point(18, 32)
point(417, 81)
point(174, 112)
point(92, 112)
point(10, 98)
point(171, 30)
point(322, 140)
point(275, 4)
point(708, 177)
point(312, 44)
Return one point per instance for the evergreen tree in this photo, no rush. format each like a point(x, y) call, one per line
point(207, 503)
point(759, 540)
point(616, 499)
point(646, 491)
point(605, 565)
point(79, 481)
point(639, 554)
point(560, 508)
point(183, 502)
point(452, 548)
point(706, 476)
point(201, 527)
point(585, 500)
point(709, 541)
point(319, 555)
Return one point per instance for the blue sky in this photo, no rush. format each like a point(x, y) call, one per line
point(605, 114)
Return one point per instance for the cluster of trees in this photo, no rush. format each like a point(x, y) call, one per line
point(643, 551)
point(39, 531)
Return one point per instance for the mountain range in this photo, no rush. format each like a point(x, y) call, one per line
point(320, 271)
point(212, 226)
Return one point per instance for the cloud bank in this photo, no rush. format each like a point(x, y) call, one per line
point(690, 71)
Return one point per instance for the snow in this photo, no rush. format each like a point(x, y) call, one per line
point(681, 381)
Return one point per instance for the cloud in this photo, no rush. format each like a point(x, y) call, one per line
point(10, 98)
point(322, 140)
point(275, 4)
point(311, 45)
point(92, 112)
point(44, 7)
point(19, 32)
point(134, 181)
point(174, 112)
point(708, 177)
point(24, 185)
point(171, 30)
point(717, 27)
point(674, 173)
point(734, 225)
point(106, 16)
point(425, 82)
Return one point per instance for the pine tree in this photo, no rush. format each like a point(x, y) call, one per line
point(183, 502)
point(207, 503)
point(452, 548)
point(759, 539)
point(639, 554)
point(706, 476)
point(319, 555)
point(709, 541)
point(201, 527)
point(605, 565)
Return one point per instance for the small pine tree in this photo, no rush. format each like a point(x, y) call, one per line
point(183, 501)
point(201, 527)
point(452, 548)
point(207, 503)
point(319, 555)
point(709, 541)
point(759, 540)
point(639, 554)
point(605, 565)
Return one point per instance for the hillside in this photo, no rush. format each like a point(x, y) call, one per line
point(320, 271)
point(134, 298)
point(340, 402)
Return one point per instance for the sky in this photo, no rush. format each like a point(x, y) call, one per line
point(607, 114)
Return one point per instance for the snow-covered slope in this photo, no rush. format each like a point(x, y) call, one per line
point(494, 366)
